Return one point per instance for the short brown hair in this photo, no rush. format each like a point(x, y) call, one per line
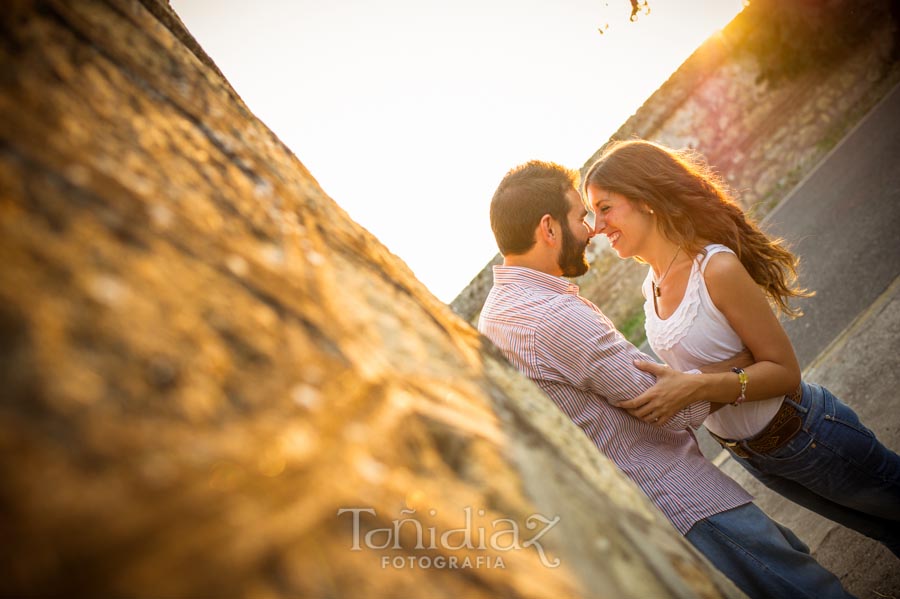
point(524, 196)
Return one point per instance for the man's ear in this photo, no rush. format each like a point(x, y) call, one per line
point(548, 229)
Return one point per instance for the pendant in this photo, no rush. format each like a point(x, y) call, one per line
point(657, 292)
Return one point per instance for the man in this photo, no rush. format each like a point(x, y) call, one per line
point(574, 353)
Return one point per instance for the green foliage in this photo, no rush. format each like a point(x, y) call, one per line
point(633, 327)
point(789, 38)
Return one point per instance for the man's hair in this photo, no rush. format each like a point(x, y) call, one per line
point(524, 196)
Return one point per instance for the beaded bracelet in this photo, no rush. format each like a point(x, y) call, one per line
point(742, 378)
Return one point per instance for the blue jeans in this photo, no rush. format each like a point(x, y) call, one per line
point(835, 467)
point(761, 557)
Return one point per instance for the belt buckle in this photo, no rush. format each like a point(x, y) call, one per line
point(735, 447)
point(740, 451)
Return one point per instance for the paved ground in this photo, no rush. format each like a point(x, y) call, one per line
point(844, 220)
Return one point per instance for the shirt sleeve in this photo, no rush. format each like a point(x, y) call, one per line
point(691, 416)
point(584, 349)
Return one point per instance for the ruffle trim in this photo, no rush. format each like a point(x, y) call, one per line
point(664, 334)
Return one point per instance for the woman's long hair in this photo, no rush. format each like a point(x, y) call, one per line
point(692, 206)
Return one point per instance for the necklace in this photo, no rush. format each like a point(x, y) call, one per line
point(657, 292)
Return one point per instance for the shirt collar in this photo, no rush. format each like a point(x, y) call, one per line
point(506, 275)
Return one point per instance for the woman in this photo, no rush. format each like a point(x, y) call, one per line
point(713, 275)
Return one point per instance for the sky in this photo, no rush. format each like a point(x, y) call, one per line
point(409, 112)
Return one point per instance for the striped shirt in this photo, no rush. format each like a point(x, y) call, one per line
point(575, 354)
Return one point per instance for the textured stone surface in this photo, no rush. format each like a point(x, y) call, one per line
point(204, 359)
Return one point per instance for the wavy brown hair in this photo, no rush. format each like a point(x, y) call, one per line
point(693, 206)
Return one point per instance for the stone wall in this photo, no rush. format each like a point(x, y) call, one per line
point(761, 140)
point(204, 360)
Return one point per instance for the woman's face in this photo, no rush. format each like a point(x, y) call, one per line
point(627, 226)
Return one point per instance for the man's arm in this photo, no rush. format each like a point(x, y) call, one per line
point(581, 347)
point(584, 349)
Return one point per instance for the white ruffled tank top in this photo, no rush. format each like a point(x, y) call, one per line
point(696, 334)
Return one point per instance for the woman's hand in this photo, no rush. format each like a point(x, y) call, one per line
point(673, 391)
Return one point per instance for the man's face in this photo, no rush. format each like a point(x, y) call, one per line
point(576, 235)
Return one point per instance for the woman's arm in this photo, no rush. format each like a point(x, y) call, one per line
point(774, 369)
point(732, 290)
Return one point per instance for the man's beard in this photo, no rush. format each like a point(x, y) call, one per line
point(571, 255)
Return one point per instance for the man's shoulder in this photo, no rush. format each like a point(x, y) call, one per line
point(543, 311)
point(528, 299)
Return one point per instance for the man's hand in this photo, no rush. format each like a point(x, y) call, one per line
point(673, 391)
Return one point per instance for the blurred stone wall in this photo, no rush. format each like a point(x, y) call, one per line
point(204, 361)
point(762, 141)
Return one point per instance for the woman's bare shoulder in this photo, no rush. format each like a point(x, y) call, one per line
point(725, 273)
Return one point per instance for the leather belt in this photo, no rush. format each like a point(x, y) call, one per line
point(783, 427)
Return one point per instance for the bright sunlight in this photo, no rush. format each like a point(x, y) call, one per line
point(409, 113)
